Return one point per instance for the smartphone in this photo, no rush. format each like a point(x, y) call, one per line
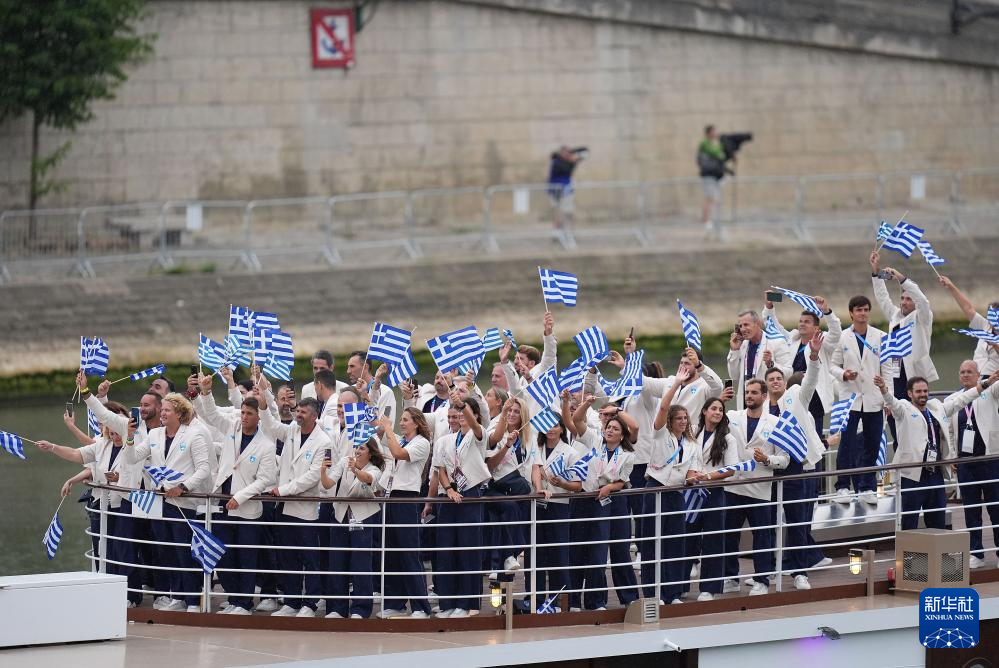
point(631, 334)
point(136, 416)
point(329, 455)
point(728, 383)
point(69, 408)
point(737, 331)
point(883, 275)
point(428, 519)
point(194, 369)
point(775, 296)
point(386, 411)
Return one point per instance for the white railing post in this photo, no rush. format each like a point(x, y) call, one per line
point(658, 519)
point(381, 550)
point(779, 514)
point(102, 540)
point(206, 581)
point(534, 555)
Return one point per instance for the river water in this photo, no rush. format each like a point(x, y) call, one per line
point(30, 489)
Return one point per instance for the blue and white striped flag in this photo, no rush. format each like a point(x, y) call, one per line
point(94, 356)
point(571, 377)
point(472, 365)
point(362, 432)
point(840, 414)
point(693, 501)
point(402, 370)
point(548, 607)
point(804, 301)
point(275, 347)
point(389, 344)
point(93, 424)
point(903, 238)
point(544, 388)
point(593, 346)
point(353, 413)
point(52, 536)
point(211, 354)
point(691, 328)
point(151, 371)
point(13, 444)
point(241, 329)
point(452, 349)
point(771, 331)
point(993, 315)
point(929, 254)
point(582, 466)
point(884, 230)
point(898, 343)
point(492, 339)
point(263, 320)
point(558, 286)
point(143, 499)
point(630, 382)
point(557, 467)
point(746, 466)
point(882, 458)
point(789, 437)
point(162, 474)
point(508, 333)
point(544, 420)
point(988, 337)
point(206, 548)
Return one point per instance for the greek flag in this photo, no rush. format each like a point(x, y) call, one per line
point(558, 286)
point(544, 420)
point(929, 254)
point(882, 452)
point(361, 432)
point(544, 388)
point(472, 365)
point(746, 466)
point(557, 467)
point(354, 413)
point(993, 315)
point(582, 466)
point(630, 382)
point(162, 474)
point(492, 340)
point(988, 337)
point(789, 437)
point(884, 230)
point(142, 499)
point(206, 548)
point(94, 356)
point(52, 536)
point(802, 300)
point(571, 377)
point(400, 371)
point(212, 354)
point(275, 347)
point(240, 329)
point(593, 346)
point(389, 344)
point(840, 414)
point(452, 349)
point(693, 501)
point(508, 333)
point(263, 320)
point(691, 328)
point(151, 371)
point(898, 343)
point(771, 330)
point(93, 424)
point(903, 238)
point(13, 444)
point(548, 607)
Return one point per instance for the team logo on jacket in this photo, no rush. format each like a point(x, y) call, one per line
point(766, 434)
point(693, 390)
point(308, 456)
point(788, 401)
point(183, 446)
point(253, 458)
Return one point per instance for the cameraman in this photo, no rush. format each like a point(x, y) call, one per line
point(711, 160)
point(563, 162)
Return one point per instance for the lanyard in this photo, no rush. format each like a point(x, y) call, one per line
point(457, 449)
point(968, 411)
point(930, 428)
point(864, 344)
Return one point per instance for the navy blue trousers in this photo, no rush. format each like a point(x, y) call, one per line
point(355, 565)
point(858, 450)
point(609, 522)
point(671, 542)
point(303, 534)
point(737, 512)
point(459, 590)
point(179, 556)
point(974, 491)
point(124, 551)
point(411, 584)
point(916, 497)
point(553, 531)
point(270, 583)
point(240, 586)
point(798, 512)
point(711, 518)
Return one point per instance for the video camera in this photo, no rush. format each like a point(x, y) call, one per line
point(731, 143)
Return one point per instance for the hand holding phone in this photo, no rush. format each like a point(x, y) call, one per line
point(136, 416)
point(69, 408)
point(775, 296)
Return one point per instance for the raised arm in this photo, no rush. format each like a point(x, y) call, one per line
point(811, 378)
point(962, 301)
point(549, 351)
point(79, 435)
point(680, 378)
point(204, 404)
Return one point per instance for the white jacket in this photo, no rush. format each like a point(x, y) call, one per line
point(919, 362)
point(738, 363)
point(825, 386)
point(549, 358)
point(847, 356)
point(97, 456)
point(254, 471)
point(796, 400)
point(986, 356)
point(348, 485)
point(778, 459)
point(986, 417)
point(910, 427)
point(189, 455)
point(300, 464)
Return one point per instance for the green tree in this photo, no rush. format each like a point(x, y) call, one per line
point(56, 58)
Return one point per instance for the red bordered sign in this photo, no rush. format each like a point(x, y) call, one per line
point(331, 32)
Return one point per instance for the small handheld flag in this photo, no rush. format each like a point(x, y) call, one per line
point(212, 354)
point(929, 254)
point(403, 370)
point(52, 536)
point(988, 337)
point(93, 424)
point(548, 607)
point(452, 349)
point(94, 356)
point(582, 466)
point(544, 388)
point(142, 499)
point(508, 333)
point(903, 238)
point(13, 444)
point(898, 343)
point(882, 452)
point(492, 339)
point(691, 328)
point(593, 346)
point(746, 466)
point(473, 365)
point(353, 413)
point(884, 230)
point(693, 501)
point(804, 301)
point(389, 344)
point(789, 437)
point(162, 474)
point(362, 432)
point(840, 414)
point(993, 315)
point(147, 373)
point(630, 382)
point(544, 420)
point(571, 377)
point(771, 330)
point(558, 286)
point(206, 548)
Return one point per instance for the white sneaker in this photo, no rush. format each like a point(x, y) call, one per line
point(389, 613)
point(306, 611)
point(801, 582)
point(268, 605)
point(511, 564)
point(239, 610)
point(193, 608)
point(160, 602)
point(575, 609)
point(444, 614)
point(759, 589)
point(284, 611)
point(975, 562)
point(675, 601)
point(730, 587)
point(225, 611)
point(459, 612)
point(419, 614)
point(842, 495)
point(334, 615)
point(706, 596)
point(355, 616)
point(175, 605)
point(131, 604)
point(870, 497)
point(749, 582)
point(695, 571)
point(824, 561)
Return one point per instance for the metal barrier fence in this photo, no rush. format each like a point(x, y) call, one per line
point(878, 525)
point(276, 233)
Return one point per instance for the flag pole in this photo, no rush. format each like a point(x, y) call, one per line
point(59, 507)
point(876, 246)
point(542, 290)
